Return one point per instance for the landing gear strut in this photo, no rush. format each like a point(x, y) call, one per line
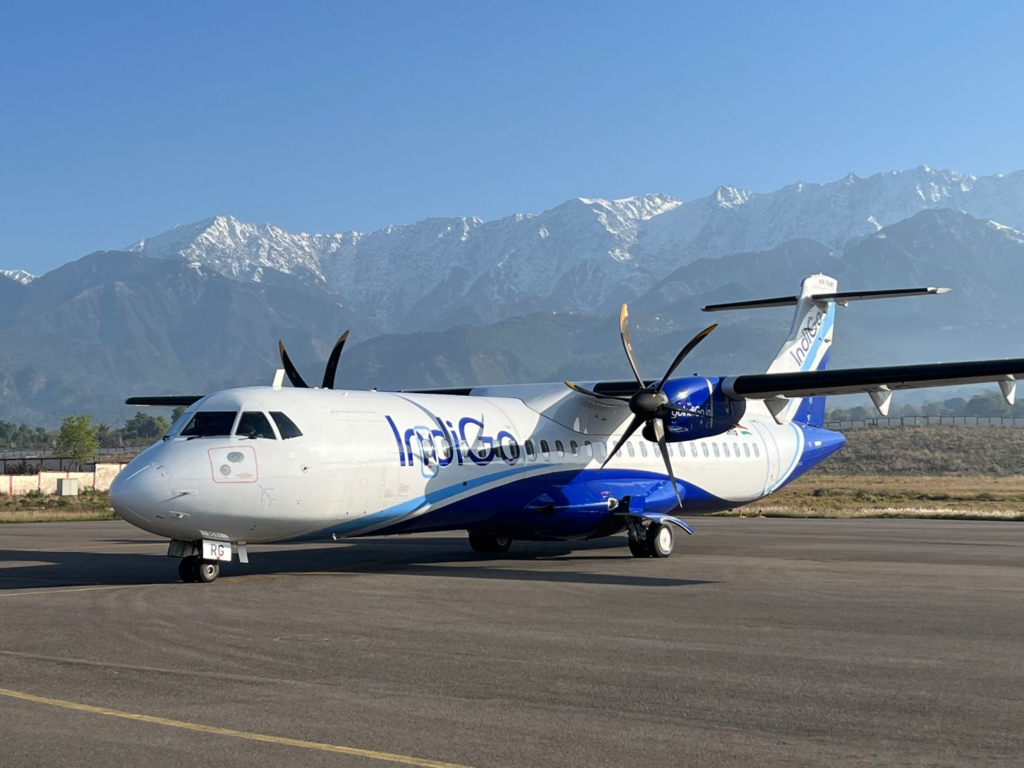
point(489, 542)
point(191, 570)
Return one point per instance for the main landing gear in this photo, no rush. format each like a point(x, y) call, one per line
point(192, 570)
point(489, 543)
point(656, 540)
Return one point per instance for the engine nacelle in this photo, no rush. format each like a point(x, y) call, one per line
point(708, 411)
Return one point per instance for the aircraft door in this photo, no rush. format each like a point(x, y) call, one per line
point(771, 454)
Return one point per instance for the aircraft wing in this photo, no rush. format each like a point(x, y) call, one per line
point(767, 386)
point(165, 401)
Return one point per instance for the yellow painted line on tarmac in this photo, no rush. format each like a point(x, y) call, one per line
point(58, 590)
point(314, 745)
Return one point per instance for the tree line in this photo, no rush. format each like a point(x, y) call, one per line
point(79, 438)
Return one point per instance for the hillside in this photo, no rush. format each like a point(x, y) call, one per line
point(928, 451)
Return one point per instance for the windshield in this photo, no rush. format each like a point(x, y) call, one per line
point(210, 424)
point(255, 425)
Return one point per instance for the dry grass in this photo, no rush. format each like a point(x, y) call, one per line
point(37, 508)
point(963, 498)
point(930, 451)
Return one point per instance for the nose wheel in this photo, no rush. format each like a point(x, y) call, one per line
point(192, 570)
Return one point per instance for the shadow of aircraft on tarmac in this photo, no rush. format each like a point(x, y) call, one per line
point(97, 565)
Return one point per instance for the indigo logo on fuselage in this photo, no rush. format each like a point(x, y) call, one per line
point(443, 443)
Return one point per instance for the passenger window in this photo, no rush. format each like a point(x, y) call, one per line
point(643, 449)
point(443, 449)
point(559, 449)
point(544, 448)
point(736, 449)
point(629, 449)
point(589, 448)
point(602, 449)
point(285, 426)
point(529, 450)
point(746, 450)
point(254, 424)
point(757, 453)
point(725, 447)
point(693, 450)
point(574, 447)
point(714, 447)
point(210, 424)
point(657, 449)
point(705, 447)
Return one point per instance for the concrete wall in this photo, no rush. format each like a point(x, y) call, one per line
point(100, 479)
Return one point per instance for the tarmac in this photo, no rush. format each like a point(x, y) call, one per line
point(769, 642)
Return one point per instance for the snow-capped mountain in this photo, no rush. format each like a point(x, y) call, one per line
point(18, 275)
point(584, 255)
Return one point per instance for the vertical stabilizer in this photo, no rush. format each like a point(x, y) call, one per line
point(808, 345)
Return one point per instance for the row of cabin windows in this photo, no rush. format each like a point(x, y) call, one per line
point(738, 450)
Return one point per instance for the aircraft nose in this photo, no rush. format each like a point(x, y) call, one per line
point(137, 492)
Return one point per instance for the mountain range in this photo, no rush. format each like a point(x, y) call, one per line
point(449, 301)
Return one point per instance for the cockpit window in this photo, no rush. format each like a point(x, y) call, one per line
point(210, 424)
point(285, 426)
point(255, 424)
point(178, 425)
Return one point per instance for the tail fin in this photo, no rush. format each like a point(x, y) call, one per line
point(810, 339)
point(809, 344)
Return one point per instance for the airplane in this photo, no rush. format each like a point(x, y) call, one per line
point(537, 462)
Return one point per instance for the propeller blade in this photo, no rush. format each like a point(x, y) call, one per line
point(332, 362)
point(663, 444)
point(634, 425)
point(591, 393)
point(289, 369)
point(628, 345)
point(683, 353)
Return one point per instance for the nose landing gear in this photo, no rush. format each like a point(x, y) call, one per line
point(192, 570)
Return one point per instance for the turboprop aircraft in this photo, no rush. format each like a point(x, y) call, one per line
point(562, 461)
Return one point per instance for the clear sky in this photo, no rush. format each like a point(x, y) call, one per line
point(119, 120)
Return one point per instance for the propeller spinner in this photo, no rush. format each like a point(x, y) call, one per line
point(329, 372)
point(649, 404)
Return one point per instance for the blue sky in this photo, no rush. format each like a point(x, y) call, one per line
point(119, 120)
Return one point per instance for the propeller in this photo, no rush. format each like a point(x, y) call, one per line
point(649, 404)
point(329, 372)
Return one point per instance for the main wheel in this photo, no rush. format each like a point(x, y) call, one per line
point(489, 542)
point(188, 569)
point(660, 540)
point(639, 548)
point(208, 572)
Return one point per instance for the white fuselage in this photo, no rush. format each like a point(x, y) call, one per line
point(384, 462)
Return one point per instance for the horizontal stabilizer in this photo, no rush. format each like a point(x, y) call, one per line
point(165, 401)
point(851, 381)
point(841, 298)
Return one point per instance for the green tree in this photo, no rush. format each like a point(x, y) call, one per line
point(142, 427)
point(77, 439)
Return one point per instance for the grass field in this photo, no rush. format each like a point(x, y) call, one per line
point(956, 472)
point(37, 508)
point(961, 498)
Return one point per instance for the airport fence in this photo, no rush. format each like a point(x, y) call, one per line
point(35, 460)
point(927, 421)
